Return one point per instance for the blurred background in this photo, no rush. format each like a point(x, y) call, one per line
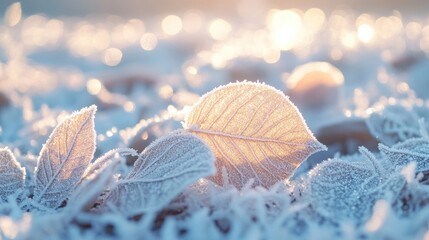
point(138, 8)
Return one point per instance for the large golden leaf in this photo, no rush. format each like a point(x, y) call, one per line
point(254, 132)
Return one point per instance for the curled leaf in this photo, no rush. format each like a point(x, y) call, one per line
point(12, 175)
point(64, 158)
point(412, 150)
point(254, 132)
point(162, 171)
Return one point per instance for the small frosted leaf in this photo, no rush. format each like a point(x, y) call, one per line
point(412, 150)
point(64, 158)
point(341, 189)
point(162, 171)
point(12, 175)
point(396, 123)
point(254, 132)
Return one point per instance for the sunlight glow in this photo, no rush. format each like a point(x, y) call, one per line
point(285, 26)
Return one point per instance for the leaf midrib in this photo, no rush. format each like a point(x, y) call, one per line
point(242, 137)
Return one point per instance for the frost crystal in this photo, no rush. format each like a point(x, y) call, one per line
point(12, 175)
point(254, 132)
point(64, 157)
point(162, 171)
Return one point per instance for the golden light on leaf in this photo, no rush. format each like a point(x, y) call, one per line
point(219, 29)
point(171, 25)
point(112, 56)
point(254, 132)
point(148, 41)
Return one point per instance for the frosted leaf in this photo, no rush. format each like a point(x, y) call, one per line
point(396, 123)
point(254, 132)
point(341, 189)
point(412, 150)
point(12, 175)
point(64, 158)
point(162, 171)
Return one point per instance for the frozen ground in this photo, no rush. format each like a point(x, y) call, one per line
point(145, 76)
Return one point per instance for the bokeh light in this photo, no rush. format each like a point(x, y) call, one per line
point(112, 56)
point(172, 25)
